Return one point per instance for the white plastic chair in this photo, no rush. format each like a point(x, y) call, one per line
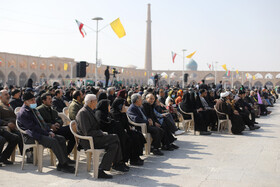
point(91, 152)
point(65, 119)
point(66, 103)
point(221, 122)
point(66, 111)
point(37, 152)
point(17, 109)
point(145, 134)
point(27, 146)
point(188, 123)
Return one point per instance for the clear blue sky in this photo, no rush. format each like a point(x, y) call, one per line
point(244, 34)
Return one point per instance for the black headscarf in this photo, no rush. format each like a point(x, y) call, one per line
point(187, 104)
point(117, 105)
point(102, 96)
point(102, 114)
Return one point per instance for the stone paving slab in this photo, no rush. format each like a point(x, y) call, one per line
point(252, 159)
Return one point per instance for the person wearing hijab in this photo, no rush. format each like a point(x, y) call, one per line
point(109, 125)
point(123, 95)
point(188, 105)
point(135, 144)
point(179, 97)
point(102, 96)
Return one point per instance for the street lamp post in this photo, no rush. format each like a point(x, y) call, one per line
point(96, 72)
point(183, 72)
point(216, 73)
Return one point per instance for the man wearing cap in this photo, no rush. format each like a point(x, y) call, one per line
point(29, 119)
point(223, 105)
point(15, 101)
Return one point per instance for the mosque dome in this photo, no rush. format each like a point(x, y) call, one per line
point(191, 65)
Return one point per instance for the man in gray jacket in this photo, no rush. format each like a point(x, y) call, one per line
point(87, 125)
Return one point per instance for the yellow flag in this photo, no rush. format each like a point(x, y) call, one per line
point(254, 78)
point(145, 74)
point(247, 74)
point(237, 72)
point(65, 66)
point(190, 55)
point(118, 28)
point(225, 67)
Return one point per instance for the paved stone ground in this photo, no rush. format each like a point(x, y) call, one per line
point(252, 159)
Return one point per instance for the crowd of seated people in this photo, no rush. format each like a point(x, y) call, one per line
point(103, 115)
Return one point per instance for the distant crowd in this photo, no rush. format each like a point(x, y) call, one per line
point(113, 116)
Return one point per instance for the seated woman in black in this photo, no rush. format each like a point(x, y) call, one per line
point(136, 139)
point(188, 106)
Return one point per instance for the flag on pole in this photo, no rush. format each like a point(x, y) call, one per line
point(225, 67)
point(173, 56)
point(65, 66)
point(118, 28)
point(237, 72)
point(254, 77)
point(209, 66)
point(81, 25)
point(145, 74)
point(190, 55)
point(228, 73)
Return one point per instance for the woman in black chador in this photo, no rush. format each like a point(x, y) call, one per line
point(114, 123)
point(136, 138)
point(189, 105)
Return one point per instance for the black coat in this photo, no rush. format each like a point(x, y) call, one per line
point(15, 103)
point(58, 104)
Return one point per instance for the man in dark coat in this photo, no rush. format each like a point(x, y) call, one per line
point(54, 122)
point(107, 75)
point(223, 105)
point(168, 139)
point(137, 115)
point(15, 101)
point(8, 117)
point(29, 119)
point(244, 109)
point(58, 103)
point(87, 125)
point(12, 140)
point(76, 104)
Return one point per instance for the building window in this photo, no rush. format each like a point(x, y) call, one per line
point(51, 67)
point(33, 65)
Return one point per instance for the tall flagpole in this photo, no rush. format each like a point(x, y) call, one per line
point(216, 73)
point(96, 67)
point(183, 72)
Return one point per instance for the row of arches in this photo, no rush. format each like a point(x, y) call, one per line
point(12, 78)
point(38, 66)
